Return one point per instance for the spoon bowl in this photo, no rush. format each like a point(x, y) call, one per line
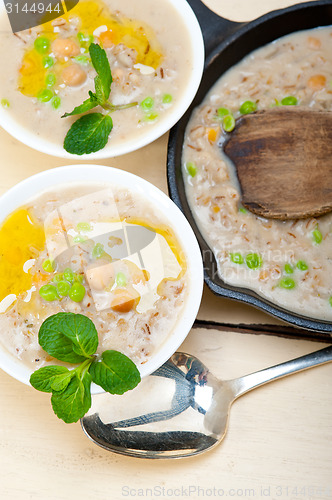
point(181, 410)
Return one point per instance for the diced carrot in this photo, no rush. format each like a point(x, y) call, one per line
point(40, 278)
point(317, 82)
point(212, 134)
point(107, 39)
point(216, 209)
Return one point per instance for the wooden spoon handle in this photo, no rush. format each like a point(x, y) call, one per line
point(283, 159)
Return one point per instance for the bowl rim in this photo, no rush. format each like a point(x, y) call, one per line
point(27, 137)
point(175, 180)
point(47, 180)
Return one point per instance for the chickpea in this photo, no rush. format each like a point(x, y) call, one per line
point(65, 47)
point(124, 300)
point(73, 75)
point(101, 277)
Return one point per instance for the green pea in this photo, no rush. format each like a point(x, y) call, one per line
point(42, 44)
point(147, 104)
point(221, 112)
point(98, 251)
point(317, 236)
point(48, 62)
point(228, 123)
point(121, 279)
point(45, 95)
point(85, 40)
point(237, 258)
point(49, 293)
point(254, 261)
point(191, 168)
point(77, 292)
point(303, 266)
point(56, 101)
point(83, 227)
point(5, 103)
point(289, 101)
point(58, 277)
point(287, 283)
point(288, 269)
point(248, 107)
point(47, 265)
point(50, 79)
point(63, 288)
point(167, 98)
point(68, 275)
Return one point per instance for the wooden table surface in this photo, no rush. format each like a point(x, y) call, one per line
point(279, 439)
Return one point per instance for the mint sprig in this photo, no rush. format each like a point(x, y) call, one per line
point(90, 132)
point(73, 338)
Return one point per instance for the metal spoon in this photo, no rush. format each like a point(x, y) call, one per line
point(180, 410)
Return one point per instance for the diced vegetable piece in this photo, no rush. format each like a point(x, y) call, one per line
point(287, 283)
point(237, 258)
point(248, 107)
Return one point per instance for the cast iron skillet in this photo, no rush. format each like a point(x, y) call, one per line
point(226, 43)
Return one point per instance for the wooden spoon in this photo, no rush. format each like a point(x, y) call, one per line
point(283, 159)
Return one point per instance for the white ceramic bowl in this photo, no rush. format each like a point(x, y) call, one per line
point(31, 139)
point(32, 186)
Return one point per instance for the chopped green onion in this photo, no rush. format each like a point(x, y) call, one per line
point(50, 79)
point(287, 283)
point(56, 101)
point(243, 210)
point(5, 103)
point(303, 266)
point(45, 95)
point(121, 279)
point(42, 44)
point(167, 98)
point(289, 101)
point(228, 123)
point(83, 227)
point(254, 261)
point(147, 104)
point(79, 238)
point(82, 59)
point(47, 265)
point(49, 293)
point(237, 258)
point(48, 62)
point(98, 251)
point(248, 107)
point(151, 116)
point(191, 168)
point(289, 269)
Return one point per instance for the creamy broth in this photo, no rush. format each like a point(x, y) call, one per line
point(135, 285)
point(135, 77)
point(289, 263)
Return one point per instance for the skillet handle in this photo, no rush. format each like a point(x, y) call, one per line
point(214, 28)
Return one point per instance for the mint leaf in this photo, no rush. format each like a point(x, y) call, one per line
point(115, 372)
point(88, 104)
point(54, 342)
point(43, 378)
point(88, 134)
point(61, 382)
point(104, 79)
point(72, 404)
